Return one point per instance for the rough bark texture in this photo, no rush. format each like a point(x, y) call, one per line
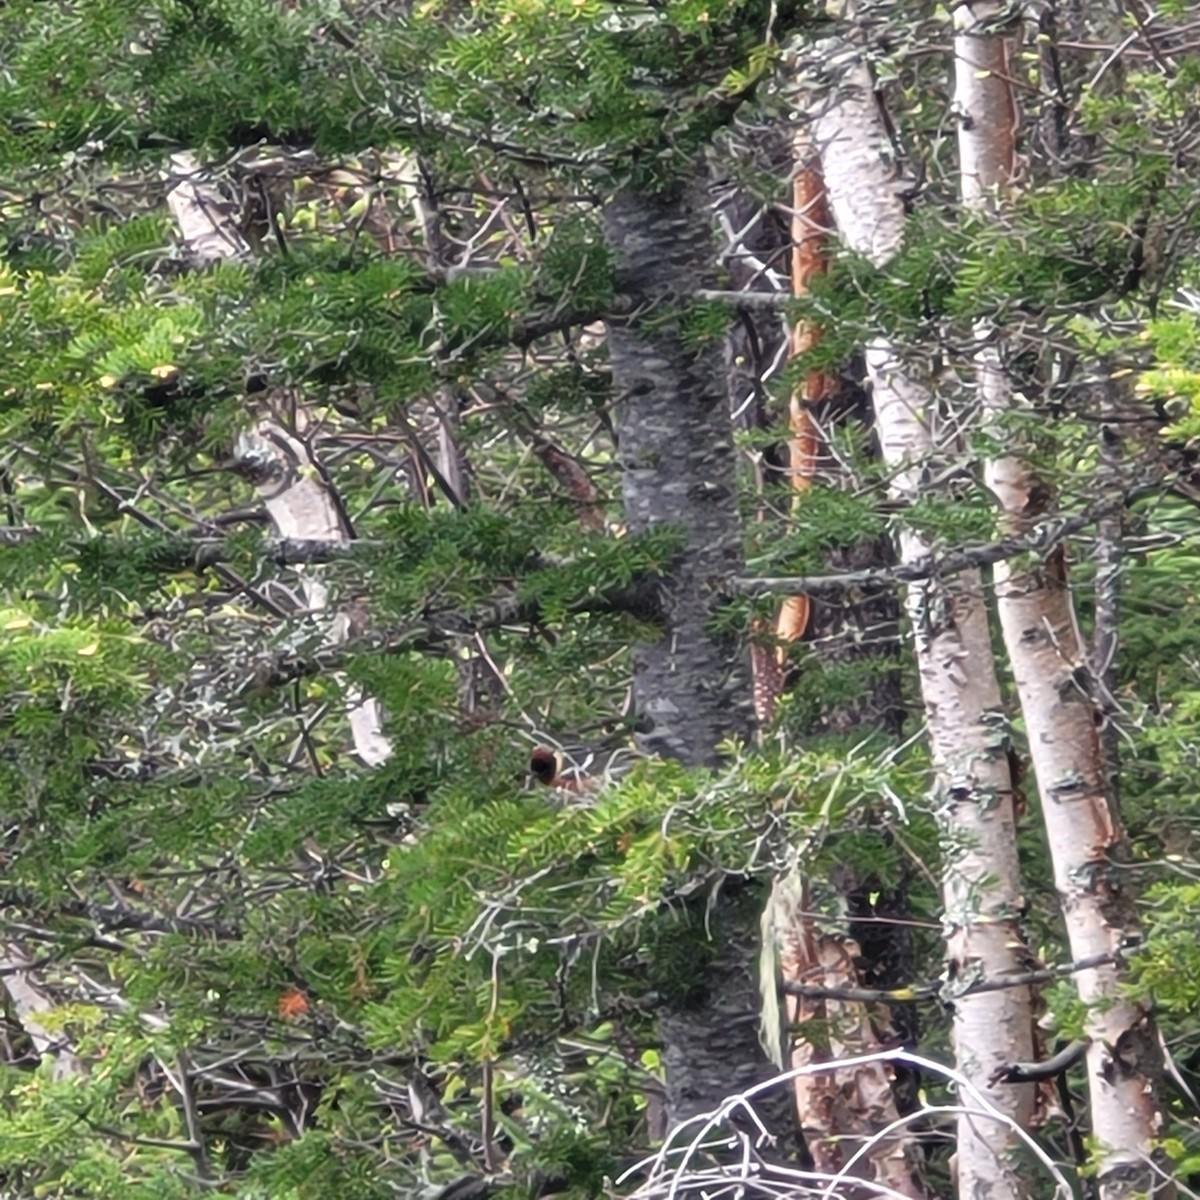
point(710, 1029)
point(980, 872)
point(691, 686)
point(1049, 662)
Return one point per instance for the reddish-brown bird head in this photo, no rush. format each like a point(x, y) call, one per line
point(543, 765)
point(546, 766)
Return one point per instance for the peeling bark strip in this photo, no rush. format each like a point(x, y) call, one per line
point(691, 687)
point(809, 230)
point(980, 871)
point(841, 1109)
point(1054, 680)
point(810, 225)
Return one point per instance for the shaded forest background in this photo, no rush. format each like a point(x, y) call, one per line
point(509, 514)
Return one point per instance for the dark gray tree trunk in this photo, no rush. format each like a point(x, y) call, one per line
point(691, 685)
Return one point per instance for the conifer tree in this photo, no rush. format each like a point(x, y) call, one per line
point(365, 426)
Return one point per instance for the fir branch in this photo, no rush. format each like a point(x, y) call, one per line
point(1040, 540)
point(180, 552)
point(437, 633)
point(940, 990)
point(115, 918)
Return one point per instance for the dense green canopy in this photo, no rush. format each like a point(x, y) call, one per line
point(289, 973)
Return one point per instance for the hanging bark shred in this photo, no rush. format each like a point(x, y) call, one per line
point(589, 507)
point(843, 1108)
point(810, 226)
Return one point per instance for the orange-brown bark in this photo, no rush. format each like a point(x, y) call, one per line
point(841, 1108)
point(810, 225)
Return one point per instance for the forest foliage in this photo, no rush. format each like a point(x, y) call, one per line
point(293, 975)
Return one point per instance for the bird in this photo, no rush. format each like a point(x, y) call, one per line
point(546, 766)
point(582, 773)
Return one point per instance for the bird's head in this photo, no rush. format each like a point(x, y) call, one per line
point(543, 765)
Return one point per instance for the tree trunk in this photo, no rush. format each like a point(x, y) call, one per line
point(1054, 680)
point(297, 493)
point(691, 685)
point(838, 1110)
point(981, 883)
point(675, 446)
point(980, 871)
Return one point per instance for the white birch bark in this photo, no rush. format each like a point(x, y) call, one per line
point(964, 713)
point(1049, 663)
point(298, 499)
point(445, 405)
point(30, 1003)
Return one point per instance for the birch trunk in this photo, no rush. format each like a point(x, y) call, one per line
point(840, 1109)
point(961, 695)
point(1053, 680)
point(30, 1002)
point(283, 468)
